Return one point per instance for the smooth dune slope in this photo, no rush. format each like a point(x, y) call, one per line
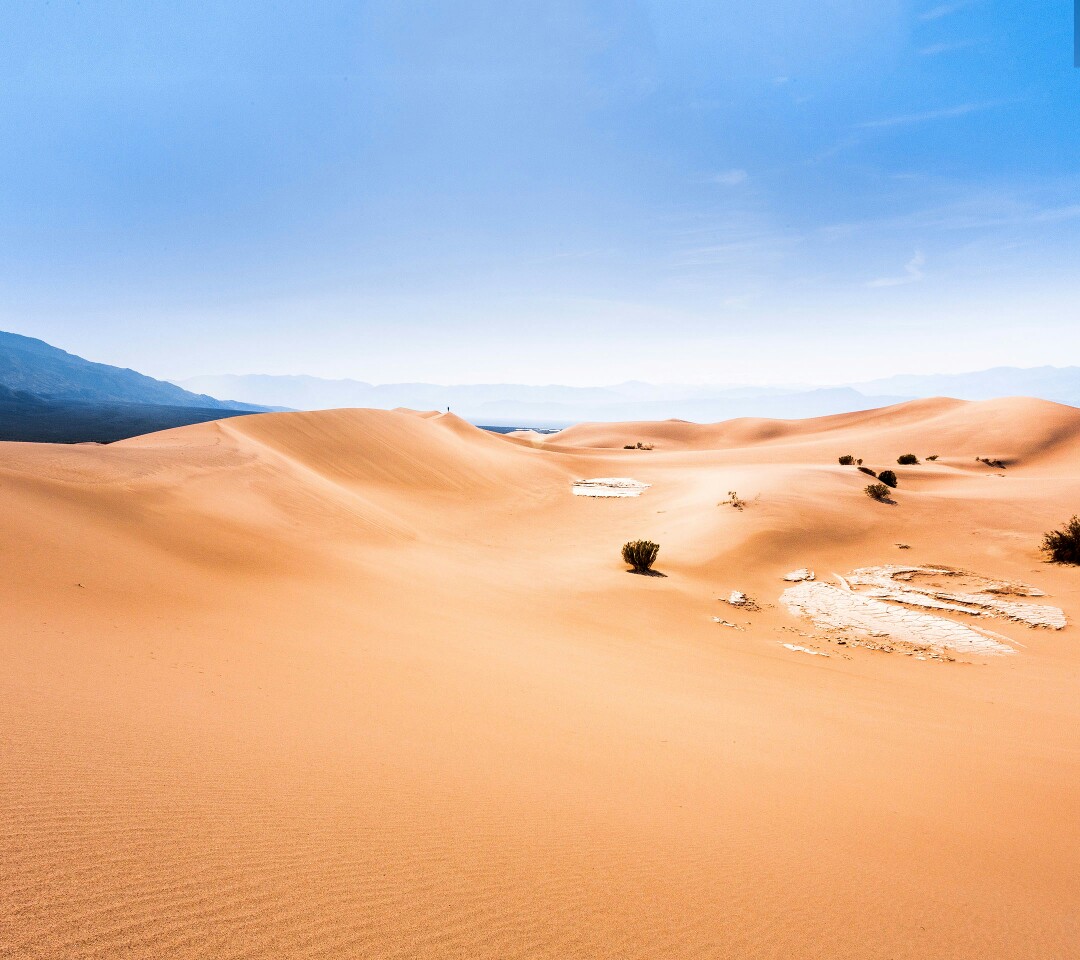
point(375, 684)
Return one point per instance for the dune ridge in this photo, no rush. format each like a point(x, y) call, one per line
point(363, 683)
point(1017, 426)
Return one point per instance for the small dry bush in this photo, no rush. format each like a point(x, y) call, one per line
point(907, 459)
point(1063, 546)
point(878, 492)
point(888, 477)
point(640, 554)
point(847, 460)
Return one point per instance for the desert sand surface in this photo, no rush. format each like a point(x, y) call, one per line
point(376, 684)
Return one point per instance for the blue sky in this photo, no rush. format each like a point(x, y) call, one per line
point(544, 190)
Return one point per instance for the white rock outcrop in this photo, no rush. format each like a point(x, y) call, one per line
point(916, 605)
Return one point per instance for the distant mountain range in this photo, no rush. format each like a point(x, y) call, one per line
point(507, 403)
point(49, 395)
point(1061, 384)
point(501, 404)
point(30, 418)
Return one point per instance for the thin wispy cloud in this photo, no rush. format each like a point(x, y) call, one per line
point(575, 255)
point(960, 110)
point(945, 9)
point(913, 272)
point(735, 253)
point(731, 178)
point(1057, 214)
point(742, 244)
point(937, 49)
point(976, 211)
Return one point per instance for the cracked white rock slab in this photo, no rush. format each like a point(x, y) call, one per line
point(1014, 589)
point(833, 608)
point(976, 596)
point(913, 599)
point(1033, 614)
point(889, 573)
point(797, 576)
point(609, 487)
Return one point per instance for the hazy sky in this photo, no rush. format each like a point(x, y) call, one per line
point(542, 190)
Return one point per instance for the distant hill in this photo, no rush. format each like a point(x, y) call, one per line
point(49, 373)
point(30, 418)
point(50, 396)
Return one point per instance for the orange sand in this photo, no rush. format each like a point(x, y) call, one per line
point(375, 684)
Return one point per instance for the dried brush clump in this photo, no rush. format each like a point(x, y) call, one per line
point(640, 554)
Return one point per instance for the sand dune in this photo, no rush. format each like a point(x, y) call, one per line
point(1015, 427)
point(368, 683)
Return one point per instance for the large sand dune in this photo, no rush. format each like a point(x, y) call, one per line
point(376, 684)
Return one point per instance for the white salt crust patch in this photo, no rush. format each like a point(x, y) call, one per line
point(894, 602)
point(798, 649)
point(610, 487)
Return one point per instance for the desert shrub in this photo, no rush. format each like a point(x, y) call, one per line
point(934, 457)
point(640, 554)
point(847, 460)
point(906, 459)
point(868, 471)
point(735, 500)
point(859, 461)
point(888, 478)
point(1063, 546)
point(999, 464)
point(877, 491)
point(629, 446)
